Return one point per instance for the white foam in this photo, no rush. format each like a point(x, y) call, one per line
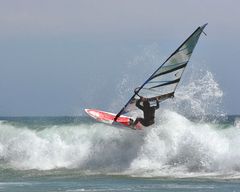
point(174, 147)
point(83, 146)
point(237, 122)
point(181, 147)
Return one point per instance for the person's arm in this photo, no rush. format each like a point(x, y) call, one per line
point(138, 104)
point(166, 96)
point(157, 106)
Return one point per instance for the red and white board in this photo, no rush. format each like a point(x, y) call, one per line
point(107, 117)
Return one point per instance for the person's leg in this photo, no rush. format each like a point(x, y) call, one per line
point(131, 122)
point(139, 119)
point(147, 123)
point(142, 121)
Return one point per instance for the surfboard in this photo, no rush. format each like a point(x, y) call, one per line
point(108, 118)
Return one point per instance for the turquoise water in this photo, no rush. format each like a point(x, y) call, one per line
point(116, 183)
point(79, 154)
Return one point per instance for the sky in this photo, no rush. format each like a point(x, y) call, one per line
point(58, 57)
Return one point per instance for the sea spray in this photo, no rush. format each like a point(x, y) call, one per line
point(136, 71)
point(199, 96)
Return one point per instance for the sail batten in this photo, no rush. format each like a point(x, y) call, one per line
point(167, 83)
point(171, 69)
point(163, 82)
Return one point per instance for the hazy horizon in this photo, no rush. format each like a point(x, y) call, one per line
point(59, 57)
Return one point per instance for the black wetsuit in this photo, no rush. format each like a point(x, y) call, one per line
point(148, 113)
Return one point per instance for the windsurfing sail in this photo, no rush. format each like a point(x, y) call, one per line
point(163, 82)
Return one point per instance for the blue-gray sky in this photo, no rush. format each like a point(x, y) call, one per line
point(58, 57)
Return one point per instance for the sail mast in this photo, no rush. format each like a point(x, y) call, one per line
point(176, 62)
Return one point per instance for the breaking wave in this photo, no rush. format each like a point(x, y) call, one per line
point(174, 147)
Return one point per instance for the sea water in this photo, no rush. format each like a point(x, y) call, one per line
point(79, 154)
point(193, 146)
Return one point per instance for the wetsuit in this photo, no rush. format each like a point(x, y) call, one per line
point(148, 113)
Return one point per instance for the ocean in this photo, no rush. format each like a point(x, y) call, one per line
point(71, 154)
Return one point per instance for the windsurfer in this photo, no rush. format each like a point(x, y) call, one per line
point(148, 112)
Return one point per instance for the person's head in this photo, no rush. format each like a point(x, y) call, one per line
point(146, 103)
